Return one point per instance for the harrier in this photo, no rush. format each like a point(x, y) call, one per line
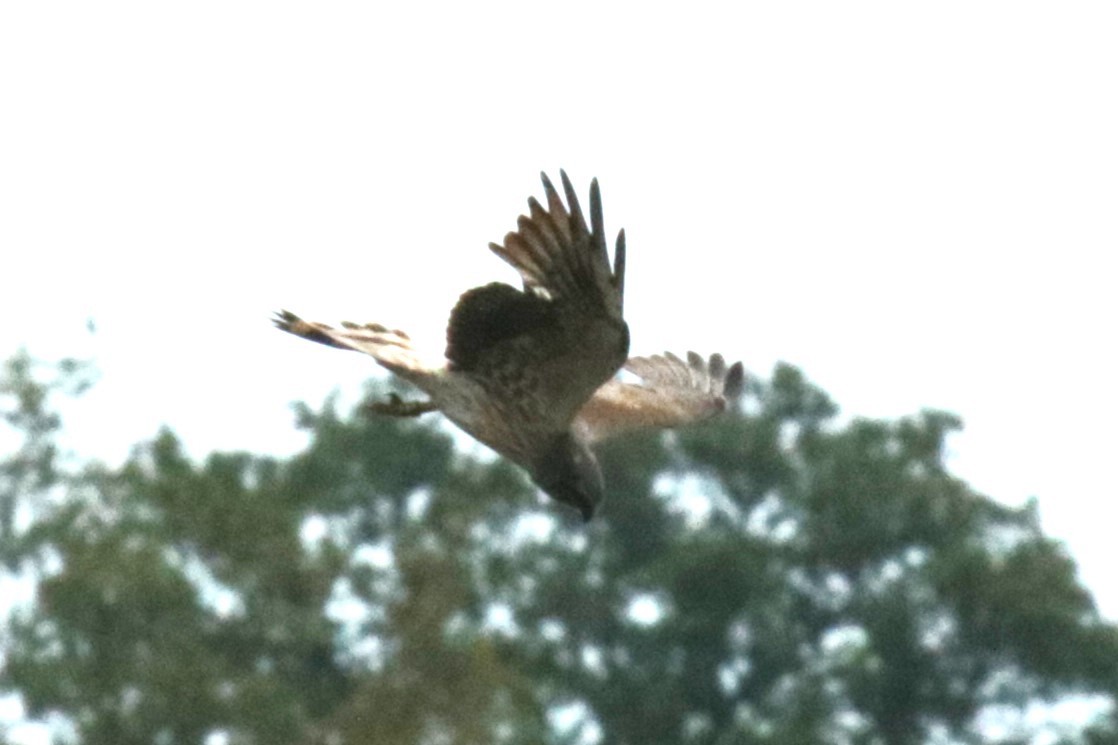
point(531, 373)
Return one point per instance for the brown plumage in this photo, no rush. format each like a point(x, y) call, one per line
point(530, 372)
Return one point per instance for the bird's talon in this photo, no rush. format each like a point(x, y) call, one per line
point(396, 406)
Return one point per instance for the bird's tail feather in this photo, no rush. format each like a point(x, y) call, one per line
point(392, 348)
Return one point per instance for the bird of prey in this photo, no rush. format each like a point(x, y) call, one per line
point(532, 372)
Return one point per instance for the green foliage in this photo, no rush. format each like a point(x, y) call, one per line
point(768, 578)
point(30, 471)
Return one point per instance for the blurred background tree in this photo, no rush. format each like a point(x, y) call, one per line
point(772, 577)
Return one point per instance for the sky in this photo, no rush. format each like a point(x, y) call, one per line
point(914, 203)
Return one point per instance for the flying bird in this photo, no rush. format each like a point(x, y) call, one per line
point(533, 372)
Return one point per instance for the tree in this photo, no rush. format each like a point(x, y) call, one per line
point(771, 578)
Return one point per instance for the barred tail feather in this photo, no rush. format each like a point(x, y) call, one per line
point(391, 348)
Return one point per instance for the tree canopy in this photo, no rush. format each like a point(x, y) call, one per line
point(775, 576)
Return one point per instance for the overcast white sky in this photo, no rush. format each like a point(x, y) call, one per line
point(913, 202)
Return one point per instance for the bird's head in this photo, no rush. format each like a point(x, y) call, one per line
point(568, 472)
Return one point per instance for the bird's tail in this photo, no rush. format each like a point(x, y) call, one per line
point(392, 348)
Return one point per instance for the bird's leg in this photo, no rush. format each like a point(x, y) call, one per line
point(396, 406)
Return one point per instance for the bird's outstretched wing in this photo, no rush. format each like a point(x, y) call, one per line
point(553, 344)
point(672, 392)
point(560, 258)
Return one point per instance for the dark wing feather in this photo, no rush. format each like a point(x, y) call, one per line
point(559, 257)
